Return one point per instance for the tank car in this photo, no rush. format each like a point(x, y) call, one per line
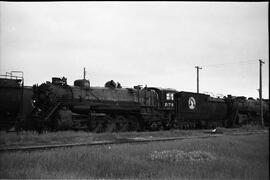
point(15, 99)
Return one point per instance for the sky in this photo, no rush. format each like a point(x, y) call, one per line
point(156, 44)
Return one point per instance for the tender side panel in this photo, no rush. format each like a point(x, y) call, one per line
point(196, 107)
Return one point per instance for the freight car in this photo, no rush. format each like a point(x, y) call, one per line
point(15, 99)
point(110, 108)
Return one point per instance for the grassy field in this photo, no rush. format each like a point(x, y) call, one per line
point(224, 157)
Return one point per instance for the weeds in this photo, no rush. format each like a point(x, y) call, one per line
point(179, 156)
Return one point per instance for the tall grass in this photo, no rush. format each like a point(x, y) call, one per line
point(33, 138)
point(233, 157)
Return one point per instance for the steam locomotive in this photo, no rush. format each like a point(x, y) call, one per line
point(59, 106)
point(110, 108)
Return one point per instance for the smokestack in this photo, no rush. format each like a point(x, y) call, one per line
point(84, 73)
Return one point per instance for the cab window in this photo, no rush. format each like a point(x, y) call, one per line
point(169, 96)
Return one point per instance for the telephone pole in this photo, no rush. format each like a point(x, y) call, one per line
point(260, 92)
point(198, 68)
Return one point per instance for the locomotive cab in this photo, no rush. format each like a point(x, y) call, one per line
point(166, 105)
point(166, 97)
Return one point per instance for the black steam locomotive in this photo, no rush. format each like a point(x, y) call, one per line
point(59, 106)
point(110, 108)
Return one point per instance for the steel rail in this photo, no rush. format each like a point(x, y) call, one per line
point(95, 143)
point(117, 141)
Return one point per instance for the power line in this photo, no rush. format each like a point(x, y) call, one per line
point(221, 65)
point(230, 63)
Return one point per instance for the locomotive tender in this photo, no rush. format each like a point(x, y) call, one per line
point(58, 106)
point(200, 110)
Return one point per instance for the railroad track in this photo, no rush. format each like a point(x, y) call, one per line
point(118, 141)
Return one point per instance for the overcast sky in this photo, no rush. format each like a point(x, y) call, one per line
point(139, 43)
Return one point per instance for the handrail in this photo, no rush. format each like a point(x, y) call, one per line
point(10, 75)
point(52, 111)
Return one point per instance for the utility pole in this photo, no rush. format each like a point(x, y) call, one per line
point(260, 93)
point(198, 68)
